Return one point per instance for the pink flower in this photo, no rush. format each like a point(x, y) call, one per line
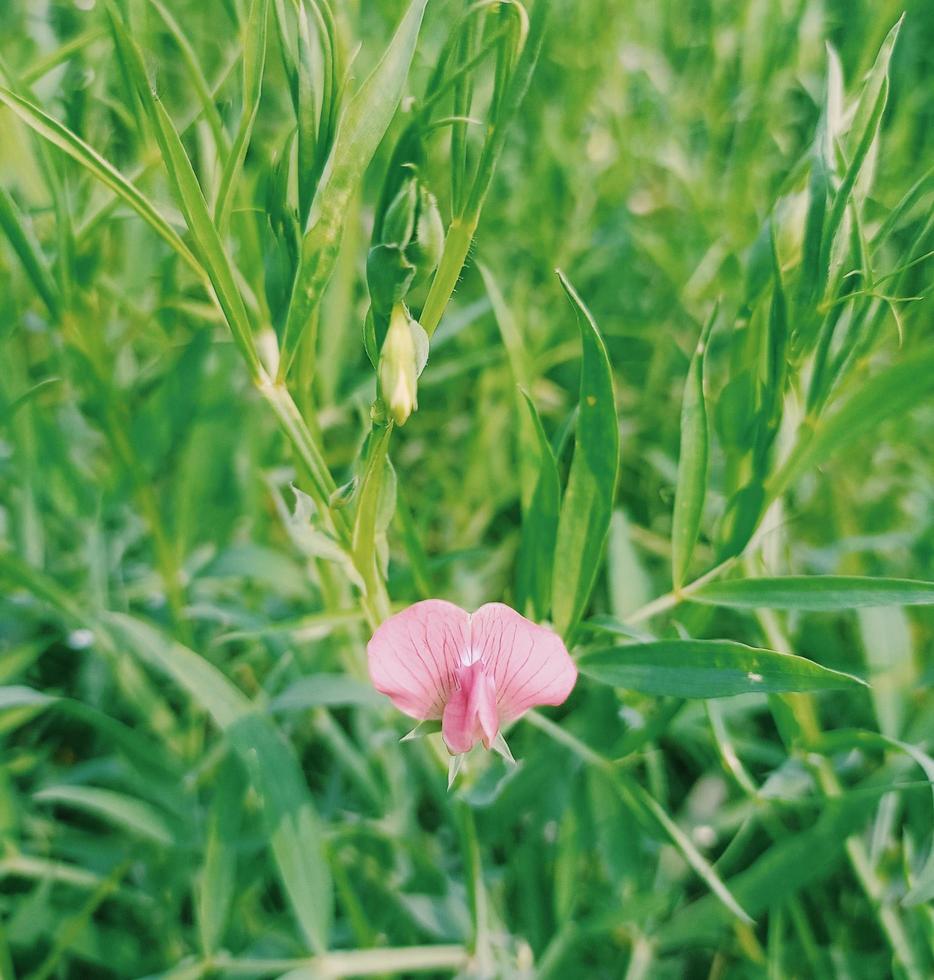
point(475, 672)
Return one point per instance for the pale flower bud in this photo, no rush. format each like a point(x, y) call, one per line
point(398, 366)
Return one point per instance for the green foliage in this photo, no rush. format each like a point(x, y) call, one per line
point(209, 216)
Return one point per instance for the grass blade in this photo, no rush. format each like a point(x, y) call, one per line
point(326, 691)
point(721, 893)
point(216, 888)
point(191, 200)
point(539, 525)
point(196, 76)
point(588, 499)
point(124, 812)
point(788, 866)
point(27, 248)
point(65, 140)
point(254, 65)
point(863, 133)
point(692, 464)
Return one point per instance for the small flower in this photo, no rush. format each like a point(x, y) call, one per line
point(475, 672)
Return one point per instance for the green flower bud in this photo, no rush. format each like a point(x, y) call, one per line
point(399, 220)
point(389, 274)
point(425, 251)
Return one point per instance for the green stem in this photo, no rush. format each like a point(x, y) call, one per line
point(671, 599)
point(375, 602)
point(279, 398)
point(479, 946)
point(352, 963)
point(456, 246)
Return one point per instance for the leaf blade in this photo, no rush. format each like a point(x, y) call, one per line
point(708, 669)
point(584, 520)
point(539, 525)
point(815, 593)
point(69, 143)
point(691, 487)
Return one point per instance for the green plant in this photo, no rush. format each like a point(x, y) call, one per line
point(258, 393)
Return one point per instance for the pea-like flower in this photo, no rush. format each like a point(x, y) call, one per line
point(473, 672)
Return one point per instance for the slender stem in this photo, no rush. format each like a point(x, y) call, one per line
point(351, 963)
point(309, 453)
point(671, 599)
point(456, 246)
point(479, 946)
point(375, 602)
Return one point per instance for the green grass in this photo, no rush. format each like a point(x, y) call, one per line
point(702, 446)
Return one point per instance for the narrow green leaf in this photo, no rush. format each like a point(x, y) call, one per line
point(361, 129)
point(815, 592)
point(316, 129)
point(65, 140)
point(124, 812)
point(15, 696)
point(707, 669)
point(863, 133)
point(692, 464)
point(888, 393)
point(142, 751)
point(291, 823)
point(196, 76)
point(191, 200)
point(823, 165)
point(254, 65)
point(27, 248)
point(539, 524)
point(588, 499)
point(461, 230)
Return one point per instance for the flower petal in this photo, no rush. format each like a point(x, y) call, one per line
point(413, 656)
point(530, 664)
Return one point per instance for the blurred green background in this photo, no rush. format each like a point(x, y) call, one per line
point(142, 475)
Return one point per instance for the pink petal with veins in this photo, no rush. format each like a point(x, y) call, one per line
point(414, 656)
point(529, 663)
